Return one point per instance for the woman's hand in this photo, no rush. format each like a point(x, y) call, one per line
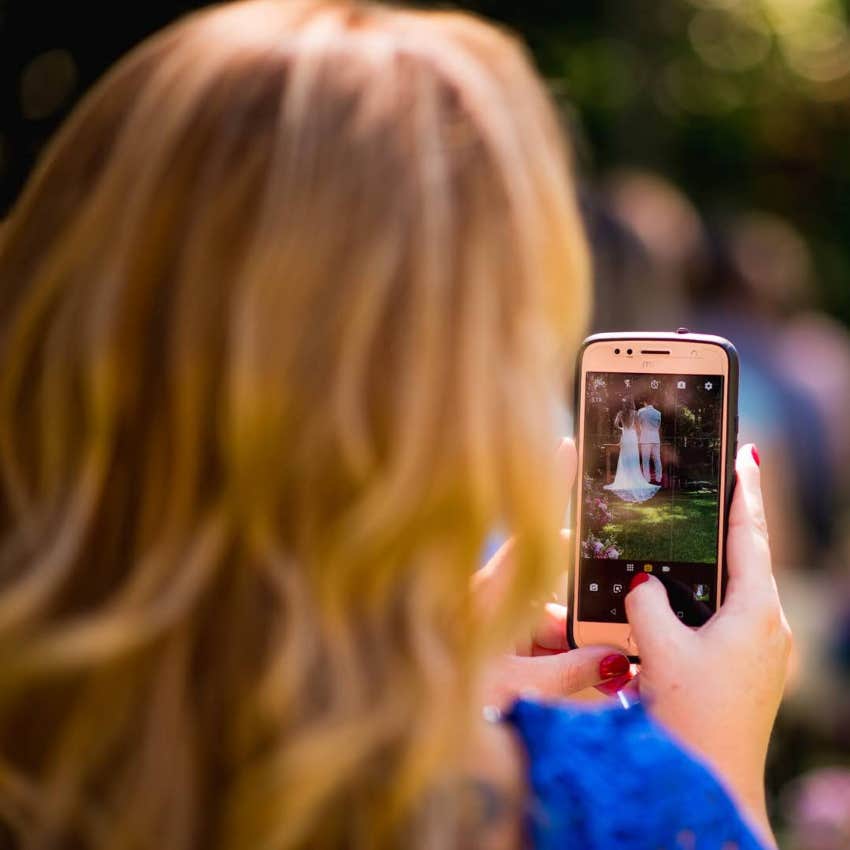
point(544, 663)
point(718, 689)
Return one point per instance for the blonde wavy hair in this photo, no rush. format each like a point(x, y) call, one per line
point(283, 312)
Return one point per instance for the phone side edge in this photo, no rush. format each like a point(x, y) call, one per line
point(572, 565)
point(731, 453)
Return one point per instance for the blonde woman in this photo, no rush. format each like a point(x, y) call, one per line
point(283, 313)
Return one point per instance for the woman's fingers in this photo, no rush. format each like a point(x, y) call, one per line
point(566, 463)
point(751, 597)
point(654, 625)
point(747, 547)
point(494, 578)
point(551, 630)
point(554, 676)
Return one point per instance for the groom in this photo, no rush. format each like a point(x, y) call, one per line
point(649, 422)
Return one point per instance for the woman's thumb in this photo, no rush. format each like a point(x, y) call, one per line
point(747, 545)
point(653, 623)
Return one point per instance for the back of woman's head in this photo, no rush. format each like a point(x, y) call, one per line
point(282, 313)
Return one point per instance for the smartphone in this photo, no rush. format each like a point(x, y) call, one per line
point(657, 430)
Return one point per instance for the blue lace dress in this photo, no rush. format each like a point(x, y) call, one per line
point(613, 780)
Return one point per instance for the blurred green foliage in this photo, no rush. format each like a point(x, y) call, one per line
point(744, 104)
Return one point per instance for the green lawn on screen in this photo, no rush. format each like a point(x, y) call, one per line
point(680, 527)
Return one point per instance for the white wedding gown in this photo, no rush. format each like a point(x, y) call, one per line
point(629, 483)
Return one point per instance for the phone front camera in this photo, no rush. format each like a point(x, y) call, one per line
point(616, 351)
point(628, 351)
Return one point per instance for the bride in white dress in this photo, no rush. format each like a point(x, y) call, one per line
point(629, 483)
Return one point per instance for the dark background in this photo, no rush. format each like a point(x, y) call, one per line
point(738, 106)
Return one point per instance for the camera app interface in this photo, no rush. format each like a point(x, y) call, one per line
point(651, 491)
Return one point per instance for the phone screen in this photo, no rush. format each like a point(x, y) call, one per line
point(650, 495)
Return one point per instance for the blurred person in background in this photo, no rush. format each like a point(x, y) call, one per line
point(751, 279)
point(814, 352)
point(758, 271)
point(808, 357)
point(284, 312)
point(651, 252)
point(723, 283)
point(748, 279)
point(669, 230)
point(625, 289)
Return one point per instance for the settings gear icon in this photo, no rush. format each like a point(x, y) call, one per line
point(709, 385)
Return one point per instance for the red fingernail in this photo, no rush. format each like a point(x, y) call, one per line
point(613, 665)
point(756, 457)
point(613, 686)
point(640, 578)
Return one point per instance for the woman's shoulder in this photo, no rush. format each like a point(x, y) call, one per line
point(613, 779)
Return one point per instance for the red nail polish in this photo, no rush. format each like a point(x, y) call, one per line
point(640, 578)
point(613, 686)
point(613, 665)
point(756, 457)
